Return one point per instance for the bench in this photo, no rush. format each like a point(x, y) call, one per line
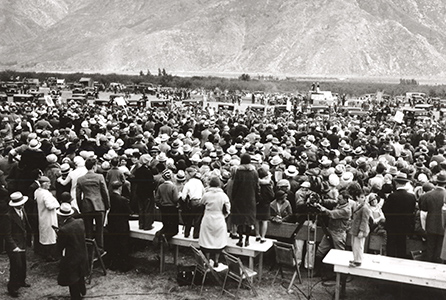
point(387, 268)
point(252, 251)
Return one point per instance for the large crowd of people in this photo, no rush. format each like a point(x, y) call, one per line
point(223, 175)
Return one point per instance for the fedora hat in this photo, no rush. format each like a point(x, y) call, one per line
point(392, 170)
point(325, 143)
point(161, 157)
point(180, 176)
point(291, 171)
point(232, 150)
point(65, 209)
point(358, 151)
point(441, 178)
point(276, 160)
point(17, 199)
point(347, 177)
point(347, 148)
point(65, 168)
point(308, 145)
point(401, 177)
point(34, 144)
point(187, 148)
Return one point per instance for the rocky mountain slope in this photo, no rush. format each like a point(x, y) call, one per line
point(397, 38)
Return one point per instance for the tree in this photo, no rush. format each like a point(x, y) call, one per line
point(148, 74)
point(164, 73)
point(245, 77)
point(141, 73)
point(159, 72)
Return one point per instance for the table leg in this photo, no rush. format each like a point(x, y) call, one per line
point(251, 266)
point(338, 285)
point(175, 256)
point(260, 266)
point(162, 257)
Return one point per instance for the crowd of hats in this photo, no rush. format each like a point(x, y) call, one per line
point(339, 151)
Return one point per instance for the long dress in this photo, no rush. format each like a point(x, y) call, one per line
point(213, 229)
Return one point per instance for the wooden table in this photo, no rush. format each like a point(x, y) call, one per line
point(252, 251)
point(388, 268)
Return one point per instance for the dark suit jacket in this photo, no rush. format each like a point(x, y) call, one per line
point(399, 210)
point(74, 263)
point(432, 202)
point(15, 230)
point(91, 193)
point(118, 217)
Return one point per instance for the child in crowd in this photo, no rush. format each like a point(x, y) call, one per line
point(359, 230)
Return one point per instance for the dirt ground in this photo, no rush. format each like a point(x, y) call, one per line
point(145, 282)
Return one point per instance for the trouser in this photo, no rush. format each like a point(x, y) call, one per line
point(169, 217)
point(78, 289)
point(396, 245)
point(49, 251)
point(146, 209)
point(358, 248)
point(98, 232)
point(193, 218)
point(434, 243)
point(336, 240)
point(17, 270)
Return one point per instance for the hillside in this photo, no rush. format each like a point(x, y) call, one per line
point(399, 38)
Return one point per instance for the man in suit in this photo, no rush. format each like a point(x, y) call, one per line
point(118, 228)
point(432, 202)
point(399, 210)
point(15, 226)
point(93, 201)
point(74, 263)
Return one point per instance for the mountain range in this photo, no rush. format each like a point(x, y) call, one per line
point(344, 38)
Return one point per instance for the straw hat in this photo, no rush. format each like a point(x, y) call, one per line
point(65, 209)
point(17, 199)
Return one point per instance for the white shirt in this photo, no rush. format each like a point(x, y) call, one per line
point(194, 188)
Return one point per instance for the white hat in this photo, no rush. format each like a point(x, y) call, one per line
point(65, 209)
point(17, 199)
point(291, 171)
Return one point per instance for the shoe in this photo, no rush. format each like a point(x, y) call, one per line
point(247, 242)
point(354, 264)
point(215, 264)
point(239, 243)
point(262, 241)
point(234, 236)
point(148, 228)
point(25, 284)
point(258, 239)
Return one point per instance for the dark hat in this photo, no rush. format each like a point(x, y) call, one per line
point(65, 197)
point(441, 178)
point(116, 184)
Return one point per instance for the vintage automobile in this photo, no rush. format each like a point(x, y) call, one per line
point(226, 107)
point(22, 98)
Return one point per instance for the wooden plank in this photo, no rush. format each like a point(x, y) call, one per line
point(390, 268)
point(179, 240)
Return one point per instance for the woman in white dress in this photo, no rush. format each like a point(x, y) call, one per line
point(213, 231)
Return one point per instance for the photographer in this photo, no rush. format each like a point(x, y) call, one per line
point(338, 221)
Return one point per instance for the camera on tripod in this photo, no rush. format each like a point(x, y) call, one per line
point(313, 199)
